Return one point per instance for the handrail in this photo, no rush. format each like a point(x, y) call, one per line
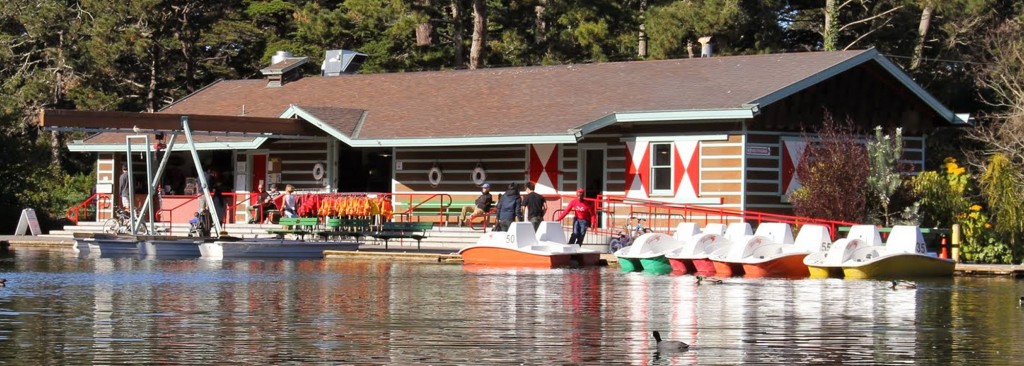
point(74, 212)
point(442, 208)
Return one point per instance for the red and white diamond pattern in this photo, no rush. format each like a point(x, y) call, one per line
point(792, 152)
point(544, 168)
point(685, 167)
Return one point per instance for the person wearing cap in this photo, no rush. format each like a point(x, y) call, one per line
point(583, 218)
point(482, 205)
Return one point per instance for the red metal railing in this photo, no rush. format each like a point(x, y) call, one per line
point(422, 202)
point(74, 213)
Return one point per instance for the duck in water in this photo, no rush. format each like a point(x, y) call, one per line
point(3, 282)
point(898, 284)
point(669, 346)
point(709, 280)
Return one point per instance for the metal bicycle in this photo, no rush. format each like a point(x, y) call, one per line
point(121, 223)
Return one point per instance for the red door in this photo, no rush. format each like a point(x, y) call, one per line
point(259, 172)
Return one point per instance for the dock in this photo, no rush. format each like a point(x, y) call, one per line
point(448, 255)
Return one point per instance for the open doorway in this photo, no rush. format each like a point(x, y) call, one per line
point(594, 175)
point(364, 170)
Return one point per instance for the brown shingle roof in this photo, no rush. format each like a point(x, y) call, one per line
point(522, 100)
point(344, 120)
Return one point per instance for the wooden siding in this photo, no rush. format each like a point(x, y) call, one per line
point(297, 160)
point(721, 176)
point(503, 165)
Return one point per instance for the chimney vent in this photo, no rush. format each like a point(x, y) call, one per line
point(337, 62)
point(705, 46)
point(283, 68)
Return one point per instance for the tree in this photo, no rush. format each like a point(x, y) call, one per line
point(833, 173)
point(476, 50)
point(884, 154)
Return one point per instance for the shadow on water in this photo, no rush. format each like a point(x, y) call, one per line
point(59, 308)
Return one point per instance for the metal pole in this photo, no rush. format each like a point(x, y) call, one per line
point(156, 179)
point(131, 187)
point(201, 173)
point(149, 187)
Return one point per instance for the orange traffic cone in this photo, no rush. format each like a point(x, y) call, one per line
point(944, 253)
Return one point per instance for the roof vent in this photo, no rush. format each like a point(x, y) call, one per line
point(705, 46)
point(283, 68)
point(338, 62)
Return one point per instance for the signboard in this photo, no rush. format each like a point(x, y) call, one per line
point(398, 165)
point(759, 151)
point(28, 221)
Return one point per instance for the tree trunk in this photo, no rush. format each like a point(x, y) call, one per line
point(457, 36)
point(922, 34)
point(151, 93)
point(830, 34)
point(56, 143)
point(476, 50)
point(425, 30)
point(540, 25)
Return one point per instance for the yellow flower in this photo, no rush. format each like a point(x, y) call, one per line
point(975, 208)
point(973, 215)
point(950, 167)
point(988, 226)
point(959, 171)
point(949, 159)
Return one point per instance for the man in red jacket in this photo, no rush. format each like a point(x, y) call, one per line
point(583, 218)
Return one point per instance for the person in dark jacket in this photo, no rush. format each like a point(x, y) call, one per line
point(481, 206)
point(509, 207)
point(535, 206)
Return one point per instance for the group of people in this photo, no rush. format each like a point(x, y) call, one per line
point(265, 208)
point(512, 206)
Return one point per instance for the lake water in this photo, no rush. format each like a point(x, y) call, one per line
point(61, 309)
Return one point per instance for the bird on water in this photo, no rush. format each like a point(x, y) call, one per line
point(709, 280)
point(898, 284)
point(669, 346)
point(3, 282)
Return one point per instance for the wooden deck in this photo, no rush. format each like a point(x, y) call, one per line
point(964, 269)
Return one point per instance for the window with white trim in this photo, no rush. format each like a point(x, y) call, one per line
point(661, 168)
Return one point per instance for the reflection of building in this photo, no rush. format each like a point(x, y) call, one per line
point(723, 131)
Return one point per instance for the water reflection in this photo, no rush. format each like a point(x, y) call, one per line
point(59, 308)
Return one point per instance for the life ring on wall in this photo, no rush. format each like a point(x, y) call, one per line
point(479, 175)
point(435, 176)
point(318, 171)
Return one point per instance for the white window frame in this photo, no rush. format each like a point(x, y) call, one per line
point(671, 169)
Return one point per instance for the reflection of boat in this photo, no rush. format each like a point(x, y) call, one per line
point(647, 253)
point(110, 245)
point(772, 252)
point(169, 247)
point(693, 255)
point(271, 248)
point(903, 255)
point(737, 236)
point(824, 264)
point(521, 246)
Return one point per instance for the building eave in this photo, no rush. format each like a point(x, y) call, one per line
point(693, 115)
point(233, 145)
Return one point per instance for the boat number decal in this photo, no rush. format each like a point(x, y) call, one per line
point(510, 239)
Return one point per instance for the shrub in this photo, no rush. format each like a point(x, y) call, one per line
point(833, 174)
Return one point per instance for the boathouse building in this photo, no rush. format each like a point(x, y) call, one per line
point(720, 131)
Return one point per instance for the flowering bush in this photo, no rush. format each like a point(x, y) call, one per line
point(942, 194)
point(980, 243)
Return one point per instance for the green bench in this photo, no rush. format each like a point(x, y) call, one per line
point(353, 228)
point(299, 226)
point(403, 230)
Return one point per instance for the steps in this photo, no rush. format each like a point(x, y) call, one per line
point(446, 237)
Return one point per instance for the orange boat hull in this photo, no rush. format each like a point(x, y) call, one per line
point(491, 256)
point(790, 266)
point(726, 269)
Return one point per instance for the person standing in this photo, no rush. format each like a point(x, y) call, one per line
point(289, 202)
point(509, 207)
point(583, 218)
point(482, 205)
point(535, 206)
point(126, 192)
